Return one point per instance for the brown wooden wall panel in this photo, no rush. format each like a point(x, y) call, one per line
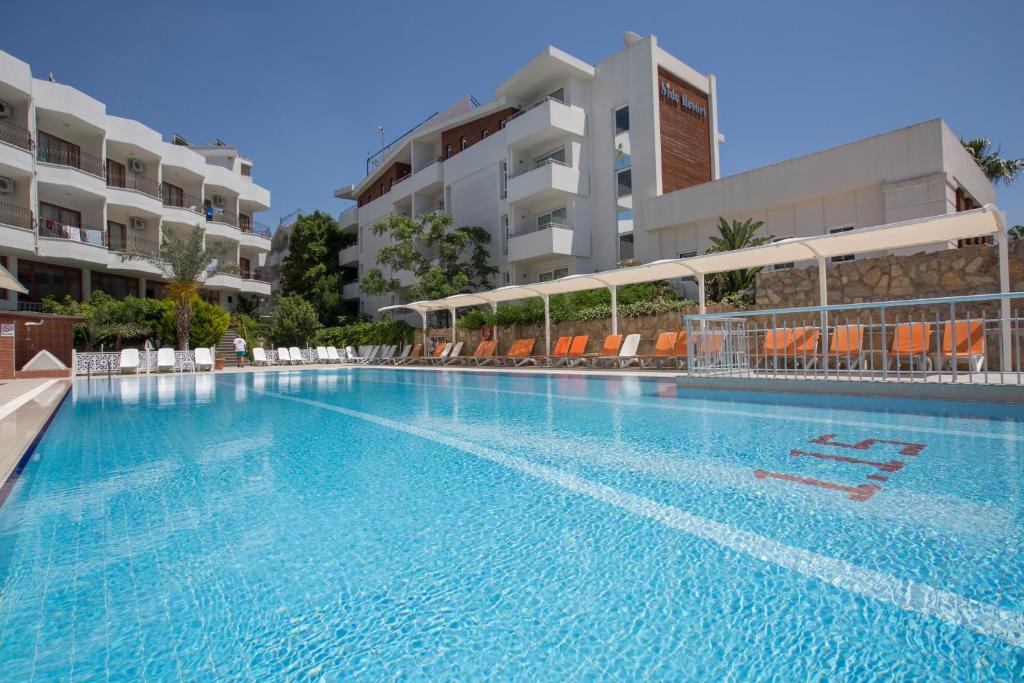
point(473, 131)
point(685, 133)
point(55, 335)
point(384, 182)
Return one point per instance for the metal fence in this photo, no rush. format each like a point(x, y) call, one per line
point(972, 339)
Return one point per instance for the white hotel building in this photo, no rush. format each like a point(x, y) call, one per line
point(80, 187)
point(575, 167)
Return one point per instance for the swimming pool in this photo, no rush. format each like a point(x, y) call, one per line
point(364, 523)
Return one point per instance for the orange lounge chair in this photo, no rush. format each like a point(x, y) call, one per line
point(778, 345)
point(414, 356)
point(609, 351)
point(681, 353)
point(846, 345)
point(576, 351)
point(561, 348)
point(911, 341)
point(805, 345)
point(664, 347)
point(485, 351)
point(519, 350)
point(970, 344)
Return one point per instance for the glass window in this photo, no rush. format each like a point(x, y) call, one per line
point(781, 266)
point(621, 120)
point(549, 275)
point(558, 95)
point(624, 182)
point(845, 257)
point(44, 279)
point(626, 247)
point(247, 170)
point(625, 221)
point(555, 155)
point(503, 180)
point(558, 216)
point(463, 142)
point(484, 133)
point(115, 285)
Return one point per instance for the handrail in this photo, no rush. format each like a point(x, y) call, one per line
point(181, 200)
point(223, 216)
point(130, 244)
point(534, 106)
point(545, 226)
point(255, 228)
point(967, 298)
point(134, 181)
point(13, 134)
point(76, 233)
point(541, 164)
point(11, 214)
point(62, 155)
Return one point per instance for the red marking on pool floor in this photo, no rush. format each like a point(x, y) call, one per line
point(908, 447)
point(878, 477)
point(891, 466)
point(858, 493)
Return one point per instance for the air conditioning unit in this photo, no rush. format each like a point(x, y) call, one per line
point(136, 166)
point(6, 185)
point(219, 201)
point(6, 111)
point(137, 223)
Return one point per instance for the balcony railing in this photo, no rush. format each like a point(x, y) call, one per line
point(16, 216)
point(75, 233)
point(543, 226)
point(130, 244)
point(254, 274)
point(14, 134)
point(182, 200)
point(540, 164)
point(247, 225)
point(73, 158)
point(222, 216)
point(134, 181)
point(531, 107)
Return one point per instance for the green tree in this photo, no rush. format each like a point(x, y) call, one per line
point(734, 235)
point(185, 262)
point(993, 165)
point(443, 261)
point(108, 320)
point(311, 269)
point(1016, 232)
point(294, 322)
point(208, 323)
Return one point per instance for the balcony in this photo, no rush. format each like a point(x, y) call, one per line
point(181, 207)
point(62, 155)
point(350, 290)
point(14, 134)
point(222, 216)
point(247, 225)
point(134, 181)
point(349, 218)
point(76, 242)
point(17, 152)
point(545, 180)
point(255, 281)
point(349, 255)
point(126, 246)
point(16, 228)
point(546, 120)
point(133, 190)
point(552, 239)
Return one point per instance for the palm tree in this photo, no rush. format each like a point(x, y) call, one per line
point(185, 263)
point(734, 235)
point(995, 168)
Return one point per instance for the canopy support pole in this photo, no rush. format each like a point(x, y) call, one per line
point(494, 310)
point(823, 301)
point(426, 341)
point(702, 306)
point(547, 324)
point(1005, 359)
point(453, 323)
point(615, 308)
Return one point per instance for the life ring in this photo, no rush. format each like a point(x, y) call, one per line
point(486, 332)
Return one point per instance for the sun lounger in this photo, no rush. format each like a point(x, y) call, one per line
point(332, 355)
point(321, 355)
point(664, 347)
point(414, 356)
point(440, 357)
point(609, 351)
point(296, 355)
point(204, 358)
point(439, 348)
point(846, 347)
point(165, 359)
point(455, 358)
point(454, 355)
point(406, 350)
point(259, 356)
point(129, 361)
point(484, 352)
point(970, 344)
point(911, 341)
point(283, 357)
point(626, 355)
point(559, 352)
point(577, 349)
point(518, 353)
point(387, 354)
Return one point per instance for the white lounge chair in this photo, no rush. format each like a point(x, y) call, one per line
point(627, 354)
point(402, 357)
point(387, 354)
point(296, 355)
point(453, 355)
point(165, 359)
point(129, 361)
point(204, 358)
point(332, 355)
point(259, 356)
point(445, 352)
point(283, 357)
point(351, 355)
point(371, 355)
point(321, 355)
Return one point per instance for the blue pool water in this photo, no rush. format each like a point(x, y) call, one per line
point(374, 524)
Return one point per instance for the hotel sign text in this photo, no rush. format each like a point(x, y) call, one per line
point(682, 100)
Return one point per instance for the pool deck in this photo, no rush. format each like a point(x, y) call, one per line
point(25, 407)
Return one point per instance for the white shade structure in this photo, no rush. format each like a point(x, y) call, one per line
point(8, 281)
point(981, 222)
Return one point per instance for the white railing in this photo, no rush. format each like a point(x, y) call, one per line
point(540, 164)
point(973, 339)
point(533, 106)
point(109, 362)
point(544, 226)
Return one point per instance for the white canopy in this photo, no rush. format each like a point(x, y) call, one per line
point(906, 234)
point(8, 281)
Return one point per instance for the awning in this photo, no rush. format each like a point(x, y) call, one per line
point(8, 281)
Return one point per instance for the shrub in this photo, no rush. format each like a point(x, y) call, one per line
point(108, 321)
point(209, 323)
point(385, 331)
point(294, 322)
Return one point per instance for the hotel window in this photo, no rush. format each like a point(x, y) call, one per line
point(844, 257)
point(57, 151)
point(503, 180)
point(782, 266)
point(463, 142)
point(447, 151)
point(504, 231)
point(246, 170)
point(173, 195)
point(484, 133)
point(558, 216)
point(688, 254)
point(556, 155)
point(506, 278)
point(558, 95)
point(626, 247)
point(48, 280)
point(550, 275)
point(624, 182)
point(622, 120)
point(116, 286)
point(55, 221)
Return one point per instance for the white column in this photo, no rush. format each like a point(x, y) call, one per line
point(1006, 361)
point(823, 301)
point(702, 307)
point(426, 342)
point(494, 309)
point(547, 326)
point(453, 324)
point(615, 308)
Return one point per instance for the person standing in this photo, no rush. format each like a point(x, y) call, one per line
point(239, 352)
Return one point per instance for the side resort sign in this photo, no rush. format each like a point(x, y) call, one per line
point(682, 100)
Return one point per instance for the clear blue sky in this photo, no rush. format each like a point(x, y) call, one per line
point(301, 87)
